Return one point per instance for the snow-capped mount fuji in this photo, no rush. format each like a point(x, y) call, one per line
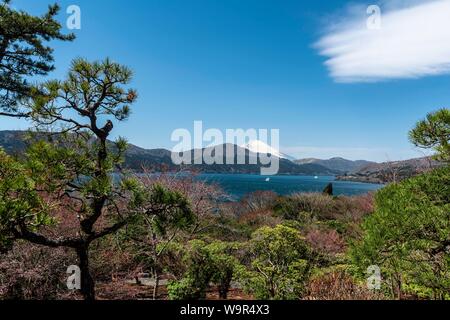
point(159, 160)
point(258, 146)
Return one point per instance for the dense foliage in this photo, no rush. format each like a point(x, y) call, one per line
point(434, 132)
point(408, 236)
point(205, 264)
point(281, 263)
point(24, 52)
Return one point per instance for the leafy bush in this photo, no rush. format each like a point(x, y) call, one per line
point(205, 264)
point(282, 263)
point(199, 272)
point(225, 265)
point(307, 207)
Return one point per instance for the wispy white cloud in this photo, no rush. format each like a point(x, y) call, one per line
point(413, 42)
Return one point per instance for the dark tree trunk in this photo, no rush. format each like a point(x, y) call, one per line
point(225, 285)
point(272, 289)
point(87, 283)
point(156, 286)
point(223, 291)
point(155, 266)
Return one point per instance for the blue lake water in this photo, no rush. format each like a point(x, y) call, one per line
point(237, 185)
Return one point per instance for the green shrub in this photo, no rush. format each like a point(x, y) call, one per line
point(282, 263)
point(205, 264)
point(304, 206)
point(408, 236)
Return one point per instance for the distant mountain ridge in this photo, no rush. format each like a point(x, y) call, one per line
point(13, 142)
point(393, 171)
point(138, 159)
point(337, 163)
point(157, 160)
point(285, 166)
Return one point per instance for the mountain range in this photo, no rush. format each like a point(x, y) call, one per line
point(156, 160)
point(138, 159)
point(393, 171)
point(337, 163)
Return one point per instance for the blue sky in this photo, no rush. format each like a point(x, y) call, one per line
point(250, 64)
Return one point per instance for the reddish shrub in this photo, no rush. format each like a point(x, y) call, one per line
point(260, 218)
point(338, 285)
point(353, 208)
point(259, 200)
point(34, 272)
point(325, 241)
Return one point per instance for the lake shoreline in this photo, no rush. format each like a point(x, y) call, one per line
point(239, 185)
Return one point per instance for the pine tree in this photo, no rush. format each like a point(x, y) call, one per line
point(76, 169)
point(24, 53)
point(434, 133)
